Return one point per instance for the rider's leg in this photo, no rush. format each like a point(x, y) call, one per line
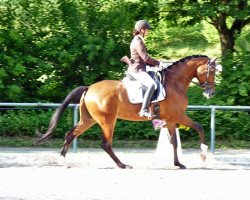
point(146, 99)
point(145, 79)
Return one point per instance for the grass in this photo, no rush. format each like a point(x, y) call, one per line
point(139, 144)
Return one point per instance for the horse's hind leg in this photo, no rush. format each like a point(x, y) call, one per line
point(108, 131)
point(86, 121)
point(75, 132)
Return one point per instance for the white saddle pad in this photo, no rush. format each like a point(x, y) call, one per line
point(135, 91)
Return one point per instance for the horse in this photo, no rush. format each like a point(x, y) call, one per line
point(106, 101)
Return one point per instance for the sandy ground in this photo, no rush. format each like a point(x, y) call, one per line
point(27, 173)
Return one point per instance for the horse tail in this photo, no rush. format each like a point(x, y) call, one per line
point(74, 96)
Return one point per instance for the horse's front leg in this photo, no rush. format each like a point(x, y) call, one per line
point(172, 131)
point(186, 121)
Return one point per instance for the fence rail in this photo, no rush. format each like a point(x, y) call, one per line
point(39, 104)
point(212, 108)
point(212, 119)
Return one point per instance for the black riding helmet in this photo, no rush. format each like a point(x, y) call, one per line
point(142, 24)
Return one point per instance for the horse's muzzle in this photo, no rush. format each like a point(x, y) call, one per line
point(209, 93)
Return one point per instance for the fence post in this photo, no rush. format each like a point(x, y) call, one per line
point(75, 122)
point(212, 129)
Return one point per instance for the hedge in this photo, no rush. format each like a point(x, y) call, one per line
point(25, 122)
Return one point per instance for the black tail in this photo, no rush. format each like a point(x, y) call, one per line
point(73, 97)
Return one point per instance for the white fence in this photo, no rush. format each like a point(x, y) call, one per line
point(212, 108)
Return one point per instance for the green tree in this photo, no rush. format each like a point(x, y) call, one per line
point(229, 17)
point(49, 47)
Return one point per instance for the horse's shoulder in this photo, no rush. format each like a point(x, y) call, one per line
point(175, 92)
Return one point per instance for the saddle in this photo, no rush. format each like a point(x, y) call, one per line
point(136, 90)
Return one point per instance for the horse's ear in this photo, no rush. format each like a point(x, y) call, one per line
point(213, 61)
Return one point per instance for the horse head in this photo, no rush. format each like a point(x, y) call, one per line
point(206, 77)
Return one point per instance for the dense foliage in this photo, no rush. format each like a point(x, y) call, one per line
point(228, 17)
point(26, 121)
point(49, 47)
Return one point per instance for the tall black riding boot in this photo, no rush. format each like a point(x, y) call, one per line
point(146, 99)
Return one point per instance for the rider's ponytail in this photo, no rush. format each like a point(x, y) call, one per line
point(135, 32)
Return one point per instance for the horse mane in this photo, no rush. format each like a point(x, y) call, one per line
point(184, 59)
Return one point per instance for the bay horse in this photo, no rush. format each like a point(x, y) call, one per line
point(106, 101)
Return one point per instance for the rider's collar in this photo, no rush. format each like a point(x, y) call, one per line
point(142, 38)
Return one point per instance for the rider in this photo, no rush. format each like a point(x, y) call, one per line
point(139, 59)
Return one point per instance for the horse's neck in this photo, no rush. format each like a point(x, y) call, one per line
point(183, 73)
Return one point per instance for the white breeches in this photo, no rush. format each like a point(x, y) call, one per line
point(144, 78)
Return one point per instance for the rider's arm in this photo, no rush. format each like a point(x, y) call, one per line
point(142, 51)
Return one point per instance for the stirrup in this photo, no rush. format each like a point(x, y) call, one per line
point(146, 113)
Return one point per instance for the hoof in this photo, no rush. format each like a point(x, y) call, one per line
point(64, 150)
point(123, 166)
point(63, 153)
point(203, 157)
point(180, 165)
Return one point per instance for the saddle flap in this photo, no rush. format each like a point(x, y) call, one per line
point(136, 90)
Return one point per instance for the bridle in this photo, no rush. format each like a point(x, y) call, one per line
point(210, 68)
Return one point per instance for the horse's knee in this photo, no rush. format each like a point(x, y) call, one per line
point(173, 138)
point(198, 127)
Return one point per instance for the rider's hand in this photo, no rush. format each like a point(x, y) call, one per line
point(160, 67)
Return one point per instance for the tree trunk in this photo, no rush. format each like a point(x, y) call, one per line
point(226, 35)
point(227, 42)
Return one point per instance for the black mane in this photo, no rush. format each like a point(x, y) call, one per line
point(186, 58)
